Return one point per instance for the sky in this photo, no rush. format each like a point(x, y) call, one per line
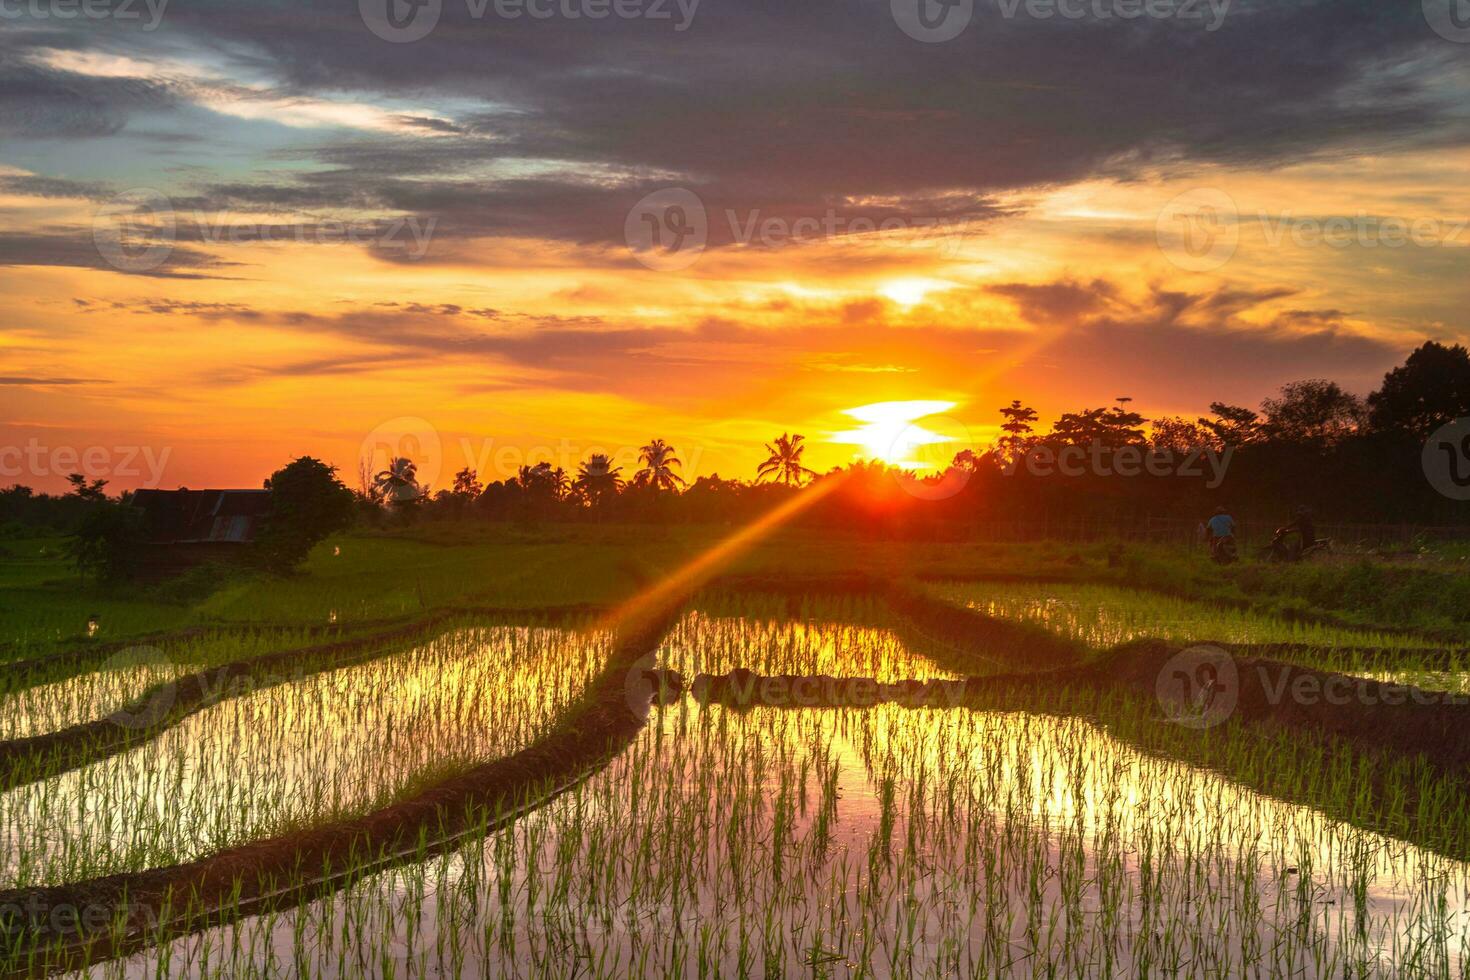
point(491, 232)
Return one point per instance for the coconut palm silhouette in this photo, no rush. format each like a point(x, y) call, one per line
point(658, 461)
point(598, 479)
point(399, 483)
point(784, 463)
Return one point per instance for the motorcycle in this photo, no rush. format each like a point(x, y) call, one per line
point(1223, 550)
point(1286, 546)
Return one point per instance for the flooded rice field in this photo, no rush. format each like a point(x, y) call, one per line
point(762, 841)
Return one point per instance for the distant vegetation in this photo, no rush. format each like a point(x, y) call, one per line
point(1313, 444)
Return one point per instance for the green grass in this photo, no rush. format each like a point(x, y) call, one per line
point(390, 574)
point(1079, 835)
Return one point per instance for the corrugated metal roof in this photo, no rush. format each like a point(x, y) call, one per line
point(195, 516)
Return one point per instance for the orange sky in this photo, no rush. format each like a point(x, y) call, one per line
point(495, 347)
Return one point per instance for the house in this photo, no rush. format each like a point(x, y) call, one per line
point(188, 527)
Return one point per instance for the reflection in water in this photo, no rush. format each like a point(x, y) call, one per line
point(701, 643)
point(1104, 616)
point(86, 697)
point(299, 752)
point(877, 842)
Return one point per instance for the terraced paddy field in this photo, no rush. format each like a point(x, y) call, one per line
point(870, 777)
point(1103, 616)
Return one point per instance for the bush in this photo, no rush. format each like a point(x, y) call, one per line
point(108, 542)
point(308, 503)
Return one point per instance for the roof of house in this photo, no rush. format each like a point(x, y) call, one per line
point(198, 516)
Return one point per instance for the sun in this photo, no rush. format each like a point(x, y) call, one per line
point(911, 291)
point(890, 432)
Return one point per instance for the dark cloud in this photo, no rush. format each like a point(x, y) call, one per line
point(79, 250)
point(788, 109)
point(40, 103)
point(27, 381)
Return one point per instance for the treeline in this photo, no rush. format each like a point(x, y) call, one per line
point(1313, 444)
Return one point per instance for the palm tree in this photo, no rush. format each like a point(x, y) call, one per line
point(658, 461)
point(598, 479)
point(784, 463)
point(399, 483)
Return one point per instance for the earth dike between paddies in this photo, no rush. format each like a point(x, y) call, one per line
point(160, 707)
point(65, 927)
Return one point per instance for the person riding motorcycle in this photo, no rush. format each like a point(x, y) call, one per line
point(1221, 528)
point(1284, 548)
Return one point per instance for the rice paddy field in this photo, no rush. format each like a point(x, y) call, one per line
point(581, 770)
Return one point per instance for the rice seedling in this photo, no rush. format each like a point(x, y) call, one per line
point(880, 842)
point(1105, 616)
point(296, 753)
point(1071, 836)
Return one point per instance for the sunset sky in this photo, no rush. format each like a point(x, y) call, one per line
point(458, 225)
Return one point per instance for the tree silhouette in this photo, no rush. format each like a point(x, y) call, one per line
point(542, 483)
point(1183, 436)
point(307, 503)
point(1232, 424)
point(399, 483)
point(658, 461)
point(1316, 412)
point(784, 462)
point(1017, 428)
point(1111, 427)
point(598, 480)
point(1431, 388)
point(467, 483)
point(80, 487)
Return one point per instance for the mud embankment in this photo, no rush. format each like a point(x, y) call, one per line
point(165, 705)
point(109, 917)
